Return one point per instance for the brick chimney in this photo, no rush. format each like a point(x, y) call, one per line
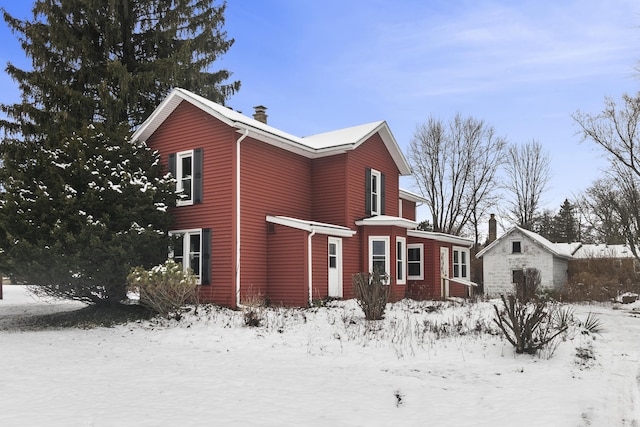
point(260, 114)
point(493, 228)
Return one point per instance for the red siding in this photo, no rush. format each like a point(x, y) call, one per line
point(189, 128)
point(273, 182)
point(408, 209)
point(287, 272)
point(320, 248)
point(330, 190)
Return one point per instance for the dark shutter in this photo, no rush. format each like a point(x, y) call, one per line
point(205, 277)
point(172, 165)
point(367, 191)
point(382, 194)
point(197, 175)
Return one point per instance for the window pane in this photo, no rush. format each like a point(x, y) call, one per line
point(186, 167)
point(413, 269)
point(515, 246)
point(456, 270)
point(463, 256)
point(378, 247)
point(333, 262)
point(455, 257)
point(178, 250)
point(413, 254)
point(332, 248)
point(379, 266)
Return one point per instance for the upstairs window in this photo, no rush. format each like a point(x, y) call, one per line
point(184, 177)
point(186, 168)
point(516, 247)
point(374, 192)
point(460, 262)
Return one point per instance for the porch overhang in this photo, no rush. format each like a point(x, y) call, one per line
point(386, 220)
point(442, 237)
point(312, 226)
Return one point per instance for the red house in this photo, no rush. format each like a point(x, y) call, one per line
point(267, 213)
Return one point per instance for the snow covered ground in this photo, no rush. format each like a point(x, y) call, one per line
point(318, 367)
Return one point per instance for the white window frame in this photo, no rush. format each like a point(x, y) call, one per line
point(387, 260)
point(376, 192)
point(186, 254)
point(461, 250)
point(401, 260)
point(180, 177)
point(420, 247)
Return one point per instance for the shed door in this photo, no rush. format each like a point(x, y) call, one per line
point(444, 272)
point(335, 267)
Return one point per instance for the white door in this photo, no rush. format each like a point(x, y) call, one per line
point(444, 272)
point(335, 267)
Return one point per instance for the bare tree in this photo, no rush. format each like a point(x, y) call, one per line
point(616, 130)
point(454, 165)
point(528, 173)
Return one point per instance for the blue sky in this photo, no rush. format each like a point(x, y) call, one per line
point(522, 66)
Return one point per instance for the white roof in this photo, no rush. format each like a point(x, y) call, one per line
point(412, 197)
point(320, 145)
point(603, 251)
point(310, 226)
point(387, 220)
point(442, 237)
point(562, 250)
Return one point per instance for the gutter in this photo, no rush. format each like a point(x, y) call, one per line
point(310, 264)
point(242, 137)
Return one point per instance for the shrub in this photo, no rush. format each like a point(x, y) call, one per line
point(253, 306)
point(526, 325)
point(527, 286)
point(371, 293)
point(166, 288)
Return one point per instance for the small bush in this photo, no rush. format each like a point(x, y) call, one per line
point(371, 293)
point(527, 326)
point(165, 289)
point(253, 307)
point(527, 286)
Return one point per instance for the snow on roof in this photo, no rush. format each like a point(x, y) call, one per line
point(442, 237)
point(411, 196)
point(318, 227)
point(320, 145)
point(562, 250)
point(387, 220)
point(603, 251)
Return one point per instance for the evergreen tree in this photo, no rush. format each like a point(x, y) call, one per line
point(565, 225)
point(79, 203)
point(544, 225)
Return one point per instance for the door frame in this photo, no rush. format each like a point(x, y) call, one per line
point(338, 287)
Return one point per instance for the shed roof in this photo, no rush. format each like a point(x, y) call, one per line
point(320, 145)
point(561, 250)
point(603, 251)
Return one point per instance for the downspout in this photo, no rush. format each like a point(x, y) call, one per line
point(310, 264)
point(243, 136)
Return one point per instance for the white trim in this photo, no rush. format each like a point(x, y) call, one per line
point(399, 208)
point(403, 260)
point(460, 250)
point(387, 250)
point(376, 192)
point(410, 196)
point(314, 146)
point(243, 136)
point(318, 227)
point(186, 260)
point(179, 177)
point(419, 246)
point(441, 237)
point(386, 220)
point(338, 256)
